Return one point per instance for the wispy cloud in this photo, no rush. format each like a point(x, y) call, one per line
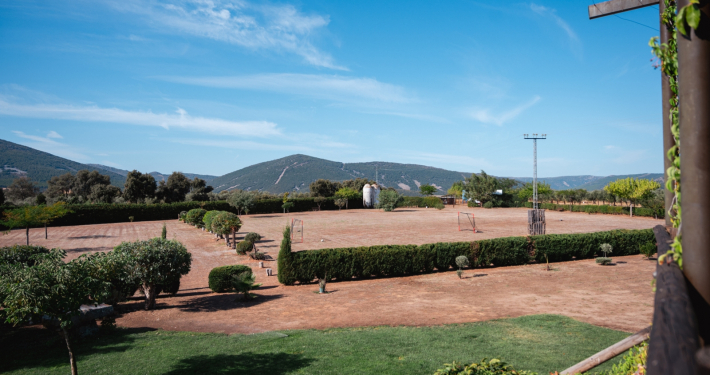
point(180, 119)
point(485, 115)
point(51, 146)
point(253, 26)
point(329, 87)
point(53, 134)
point(562, 24)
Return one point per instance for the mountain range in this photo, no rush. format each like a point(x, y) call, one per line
point(290, 173)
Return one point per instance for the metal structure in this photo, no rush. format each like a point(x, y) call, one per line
point(469, 220)
point(534, 138)
point(296, 229)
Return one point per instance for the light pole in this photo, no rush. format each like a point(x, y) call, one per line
point(534, 138)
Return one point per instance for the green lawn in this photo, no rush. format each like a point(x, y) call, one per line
point(541, 343)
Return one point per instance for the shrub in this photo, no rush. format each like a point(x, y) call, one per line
point(207, 219)
point(181, 215)
point(421, 202)
point(603, 261)
point(630, 363)
point(462, 261)
point(605, 248)
point(648, 249)
point(244, 247)
point(488, 204)
point(157, 262)
point(601, 209)
point(220, 278)
point(225, 222)
point(485, 367)
point(389, 199)
point(21, 254)
point(256, 255)
point(195, 216)
point(400, 260)
point(164, 232)
point(244, 283)
point(252, 237)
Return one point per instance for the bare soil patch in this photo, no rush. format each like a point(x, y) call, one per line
point(617, 296)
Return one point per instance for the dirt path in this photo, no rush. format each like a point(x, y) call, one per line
point(617, 297)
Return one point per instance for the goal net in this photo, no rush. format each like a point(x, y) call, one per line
point(296, 229)
point(467, 222)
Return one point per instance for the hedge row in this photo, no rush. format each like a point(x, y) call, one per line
point(401, 260)
point(83, 214)
point(434, 202)
point(602, 209)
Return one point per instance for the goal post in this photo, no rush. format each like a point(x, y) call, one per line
point(466, 221)
point(296, 229)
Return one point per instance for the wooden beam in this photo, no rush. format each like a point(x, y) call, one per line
point(610, 7)
point(609, 353)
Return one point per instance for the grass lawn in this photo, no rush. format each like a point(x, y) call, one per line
point(540, 343)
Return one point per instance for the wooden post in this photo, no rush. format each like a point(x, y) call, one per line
point(609, 353)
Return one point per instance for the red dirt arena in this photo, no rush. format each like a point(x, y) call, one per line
point(618, 297)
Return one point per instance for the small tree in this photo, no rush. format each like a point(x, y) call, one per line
point(23, 217)
point(164, 232)
point(51, 213)
point(319, 201)
point(633, 190)
point(526, 191)
point(244, 283)
point(225, 223)
point(347, 193)
point(22, 188)
point(461, 262)
point(389, 199)
point(287, 206)
point(427, 189)
point(242, 200)
point(456, 189)
point(285, 274)
point(606, 249)
point(52, 288)
point(157, 262)
point(340, 202)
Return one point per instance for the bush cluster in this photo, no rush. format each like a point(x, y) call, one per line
point(21, 254)
point(432, 202)
point(400, 260)
point(194, 216)
point(221, 279)
point(602, 209)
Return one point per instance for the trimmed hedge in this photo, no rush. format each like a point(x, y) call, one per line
point(85, 214)
point(602, 209)
point(401, 260)
point(220, 278)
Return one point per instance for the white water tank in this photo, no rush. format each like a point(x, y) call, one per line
point(375, 195)
point(367, 195)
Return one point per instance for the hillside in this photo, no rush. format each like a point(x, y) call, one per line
point(157, 175)
point(296, 172)
point(17, 160)
point(588, 182)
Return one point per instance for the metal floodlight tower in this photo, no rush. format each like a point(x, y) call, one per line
point(534, 138)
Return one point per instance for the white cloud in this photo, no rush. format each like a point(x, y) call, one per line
point(53, 134)
point(551, 13)
point(253, 26)
point(51, 146)
point(484, 115)
point(179, 120)
point(330, 87)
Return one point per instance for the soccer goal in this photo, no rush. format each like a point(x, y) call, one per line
point(296, 229)
point(467, 222)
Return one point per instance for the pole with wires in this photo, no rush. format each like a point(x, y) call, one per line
point(536, 216)
point(534, 138)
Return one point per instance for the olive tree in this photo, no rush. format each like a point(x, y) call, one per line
point(633, 190)
point(347, 193)
point(156, 262)
point(389, 200)
point(225, 223)
point(51, 288)
point(242, 200)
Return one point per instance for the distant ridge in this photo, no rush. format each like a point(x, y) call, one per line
point(290, 173)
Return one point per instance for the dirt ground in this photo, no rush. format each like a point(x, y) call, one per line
point(618, 296)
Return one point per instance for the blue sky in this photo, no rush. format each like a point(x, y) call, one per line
point(213, 86)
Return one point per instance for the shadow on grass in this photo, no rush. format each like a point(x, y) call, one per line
point(245, 363)
point(36, 348)
point(225, 301)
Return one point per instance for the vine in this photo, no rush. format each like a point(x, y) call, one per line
point(667, 54)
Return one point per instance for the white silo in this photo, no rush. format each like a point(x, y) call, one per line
point(367, 195)
point(375, 195)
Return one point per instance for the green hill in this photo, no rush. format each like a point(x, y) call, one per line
point(588, 182)
point(157, 175)
point(296, 172)
point(17, 161)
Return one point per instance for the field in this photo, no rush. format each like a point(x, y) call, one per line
point(580, 289)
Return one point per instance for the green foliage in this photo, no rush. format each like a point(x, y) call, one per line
point(605, 248)
point(601, 209)
point(648, 249)
point(632, 189)
point(287, 206)
point(21, 188)
point(319, 201)
point(526, 191)
point(116, 268)
point(21, 254)
point(244, 283)
point(400, 260)
point(242, 201)
point(286, 274)
point(139, 186)
point(164, 232)
point(481, 187)
point(488, 204)
point(208, 217)
point(456, 189)
point(427, 189)
point(252, 236)
point(340, 202)
point(182, 214)
point(194, 216)
point(348, 194)
point(484, 367)
point(421, 202)
point(688, 17)
point(175, 189)
point(462, 261)
point(389, 200)
point(603, 260)
point(103, 194)
point(245, 247)
point(631, 363)
point(323, 188)
point(220, 278)
point(225, 222)
point(156, 262)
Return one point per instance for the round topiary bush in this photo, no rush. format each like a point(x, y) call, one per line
point(207, 219)
point(195, 216)
point(252, 237)
point(488, 204)
point(244, 247)
point(221, 278)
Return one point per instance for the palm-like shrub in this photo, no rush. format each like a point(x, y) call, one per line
point(252, 236)
point(244, 247)
point(244, 283)
point(225, 222)
point(194, 216)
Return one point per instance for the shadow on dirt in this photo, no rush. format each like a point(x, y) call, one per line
point(90, 237)
point(245, 363)
point(225, 301)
